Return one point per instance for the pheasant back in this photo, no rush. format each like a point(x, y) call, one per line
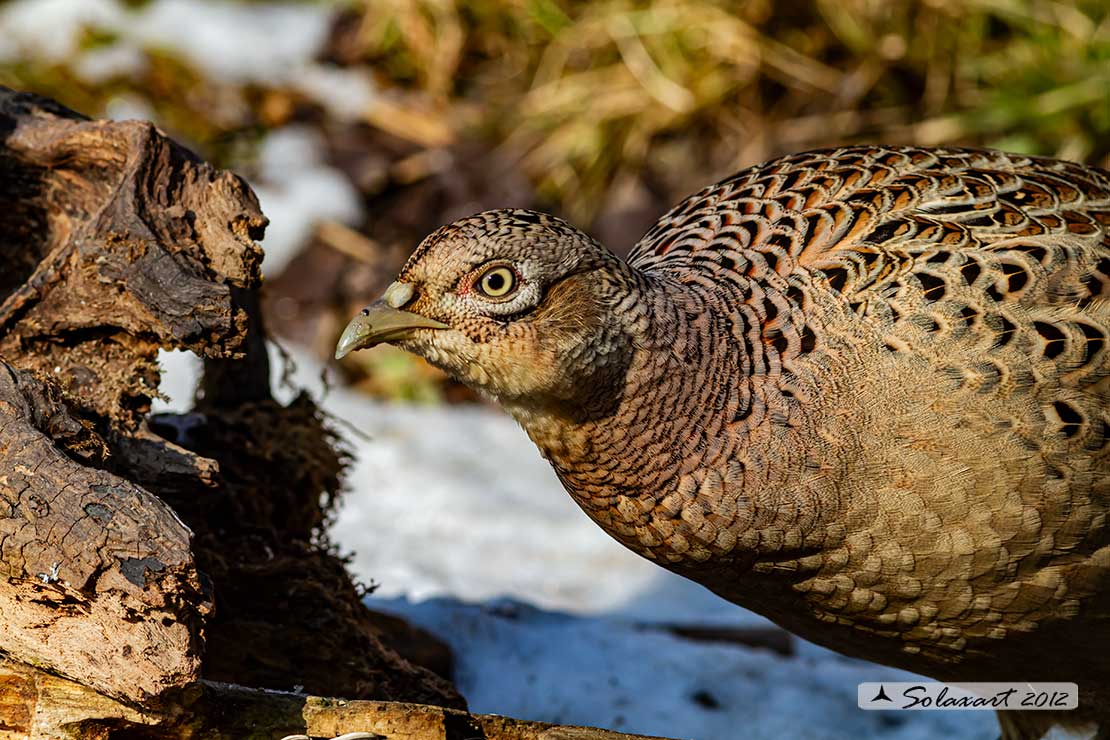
point(923, 404)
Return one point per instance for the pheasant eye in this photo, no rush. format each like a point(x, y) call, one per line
point(497, 282)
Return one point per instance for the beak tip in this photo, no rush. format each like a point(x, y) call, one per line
point(349, 341)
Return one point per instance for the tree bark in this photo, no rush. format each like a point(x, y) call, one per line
point(116, 242)
point(98, 583)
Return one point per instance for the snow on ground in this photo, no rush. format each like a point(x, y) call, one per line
point(467, 531)
point(514, 659)
point(456, 501)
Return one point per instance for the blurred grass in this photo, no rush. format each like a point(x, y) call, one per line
point(672, 93)
point(221, 119)
point(681, 91)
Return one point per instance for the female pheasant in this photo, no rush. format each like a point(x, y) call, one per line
point(862, 391)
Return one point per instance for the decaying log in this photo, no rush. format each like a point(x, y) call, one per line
point(137, 553)
point(40, 706)
point(114, 242)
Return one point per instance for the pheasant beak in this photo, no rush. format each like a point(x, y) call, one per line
point(383, 321)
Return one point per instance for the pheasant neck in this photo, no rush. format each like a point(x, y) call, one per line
point(668, 452)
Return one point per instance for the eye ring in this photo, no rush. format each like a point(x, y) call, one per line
point(497, 282)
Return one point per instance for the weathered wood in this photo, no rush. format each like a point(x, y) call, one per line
point(116, 242)
point(43, 707)
point(768, 638)
point(98, 582)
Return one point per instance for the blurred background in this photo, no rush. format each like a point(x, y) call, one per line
point(365, 124)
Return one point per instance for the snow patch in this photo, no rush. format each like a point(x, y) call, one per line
point(235, 42)
point(347, 94)
point(102, 64)
point(296, 189)
point(269, 43)
point(50, 29)
point(516, 660)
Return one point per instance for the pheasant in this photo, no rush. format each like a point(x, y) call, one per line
point(861, 391)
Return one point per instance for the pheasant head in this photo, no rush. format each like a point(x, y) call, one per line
point(517, 304)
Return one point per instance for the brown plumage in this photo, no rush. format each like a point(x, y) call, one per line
point(862, 391)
